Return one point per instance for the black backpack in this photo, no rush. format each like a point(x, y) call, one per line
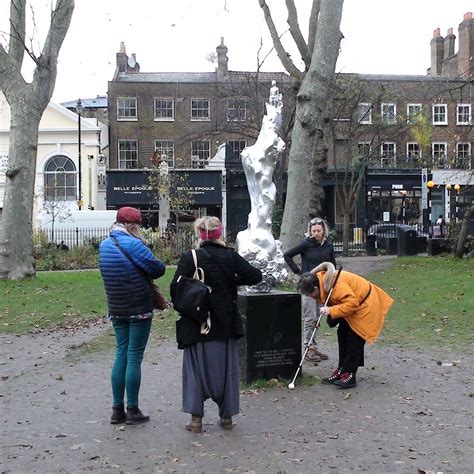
point(191, 299)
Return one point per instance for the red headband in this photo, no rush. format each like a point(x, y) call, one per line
point(214, 234)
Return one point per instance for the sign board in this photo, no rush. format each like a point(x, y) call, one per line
point(133, 188)
point(424, 188)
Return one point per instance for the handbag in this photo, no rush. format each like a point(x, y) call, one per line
point(159, 301)
point(191, 298)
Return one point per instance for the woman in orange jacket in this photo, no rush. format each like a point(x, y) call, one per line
point(357, 306)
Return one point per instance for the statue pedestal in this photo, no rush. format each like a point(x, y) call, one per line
point(271, 347)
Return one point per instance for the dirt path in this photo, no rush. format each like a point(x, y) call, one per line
point(408, 414)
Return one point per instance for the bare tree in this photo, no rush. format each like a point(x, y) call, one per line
point(27, 102)
point(306, 163)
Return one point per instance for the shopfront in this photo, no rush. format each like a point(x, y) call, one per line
point(395, 198)
point(192, 193)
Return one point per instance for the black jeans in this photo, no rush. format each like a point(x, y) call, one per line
point(351, 348)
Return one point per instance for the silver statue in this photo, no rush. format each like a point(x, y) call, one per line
point(256, 244)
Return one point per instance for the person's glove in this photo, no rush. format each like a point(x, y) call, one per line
point(332, 323)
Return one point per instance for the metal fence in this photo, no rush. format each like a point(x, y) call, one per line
point(66, 238)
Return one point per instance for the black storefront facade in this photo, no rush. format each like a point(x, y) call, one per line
point(203, 190)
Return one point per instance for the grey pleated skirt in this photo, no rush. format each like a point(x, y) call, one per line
point(211, 370)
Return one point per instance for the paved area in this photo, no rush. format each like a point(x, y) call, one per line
point(411, 412)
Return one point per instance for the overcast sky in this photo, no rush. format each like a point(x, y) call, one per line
point(380, 36)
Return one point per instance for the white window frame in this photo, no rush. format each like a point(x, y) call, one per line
point(388, 161)
point(127, 118)
point(469, 155)
point(234, 111)
point(388, 117)
point(155, 108)
point(60, 191)
point(206, 116)
point(366, 118)
point(235, 141)
point(125, 161)
point(198, 160)
point(3, 162)
point(165, 147)
point(464, 122)
point(435, 113)
point(437, 163)
point(410, 114)
point(409, 156)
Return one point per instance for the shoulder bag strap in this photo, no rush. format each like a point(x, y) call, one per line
point(140, 269)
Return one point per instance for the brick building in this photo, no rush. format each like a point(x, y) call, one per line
point(404, 130)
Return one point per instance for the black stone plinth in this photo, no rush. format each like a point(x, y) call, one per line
point(271, 347)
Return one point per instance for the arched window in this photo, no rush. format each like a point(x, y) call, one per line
point(60, 179)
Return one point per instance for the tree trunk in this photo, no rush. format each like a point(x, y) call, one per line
point(16, 257)
point(27, 103)
point(346, 228)
point(468, 215)
point(311, 101)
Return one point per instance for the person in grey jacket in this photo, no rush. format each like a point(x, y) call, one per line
point(314, 250)
point(127, 266)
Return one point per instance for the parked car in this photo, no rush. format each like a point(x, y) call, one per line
point(387, 229)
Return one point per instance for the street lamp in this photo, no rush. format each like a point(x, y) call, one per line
point(79, 109)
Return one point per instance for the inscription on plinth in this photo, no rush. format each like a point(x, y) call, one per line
point(271, 347)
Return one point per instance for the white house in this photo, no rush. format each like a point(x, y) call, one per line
point(58, 156)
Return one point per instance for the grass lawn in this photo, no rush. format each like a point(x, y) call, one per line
point(56, 297)
point(434, 301)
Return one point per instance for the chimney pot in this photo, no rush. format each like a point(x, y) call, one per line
point(450, 31)
point(467, 16)
point(437, 33)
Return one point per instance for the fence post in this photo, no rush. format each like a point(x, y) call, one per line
point(77, 236)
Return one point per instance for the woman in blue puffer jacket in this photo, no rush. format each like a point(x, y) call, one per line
point(127, 266)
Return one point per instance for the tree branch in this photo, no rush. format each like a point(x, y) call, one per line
point(282, 54)
point(313, 24)
point(296, 32)
point(48, 61)
point(16, 49)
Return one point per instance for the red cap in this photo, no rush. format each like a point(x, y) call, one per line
point(129, 215)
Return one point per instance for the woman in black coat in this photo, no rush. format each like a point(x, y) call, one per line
point(211, 361)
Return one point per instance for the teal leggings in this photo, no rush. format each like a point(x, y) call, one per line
point(131, 336)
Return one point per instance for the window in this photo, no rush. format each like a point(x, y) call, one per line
point(127, 154)
point(388, 113)
point(364, 150)
point(200, 153)
point(463, 156)
point(127, 108)
point(440, 114)
point(413, 112)
point(364, 113)
point(200, 109)
point(164, 109)
point(439, 154)
point(463, 114)
point(387, 154)
point(3, 162)
point(236, 110)
point(413, 154)
point(165, 151)
point(236, 146)
point(60, 179)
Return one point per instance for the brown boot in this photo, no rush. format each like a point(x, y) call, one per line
point(320, 354)
point(195, 425)
point(226, 423)
point(312, 356)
